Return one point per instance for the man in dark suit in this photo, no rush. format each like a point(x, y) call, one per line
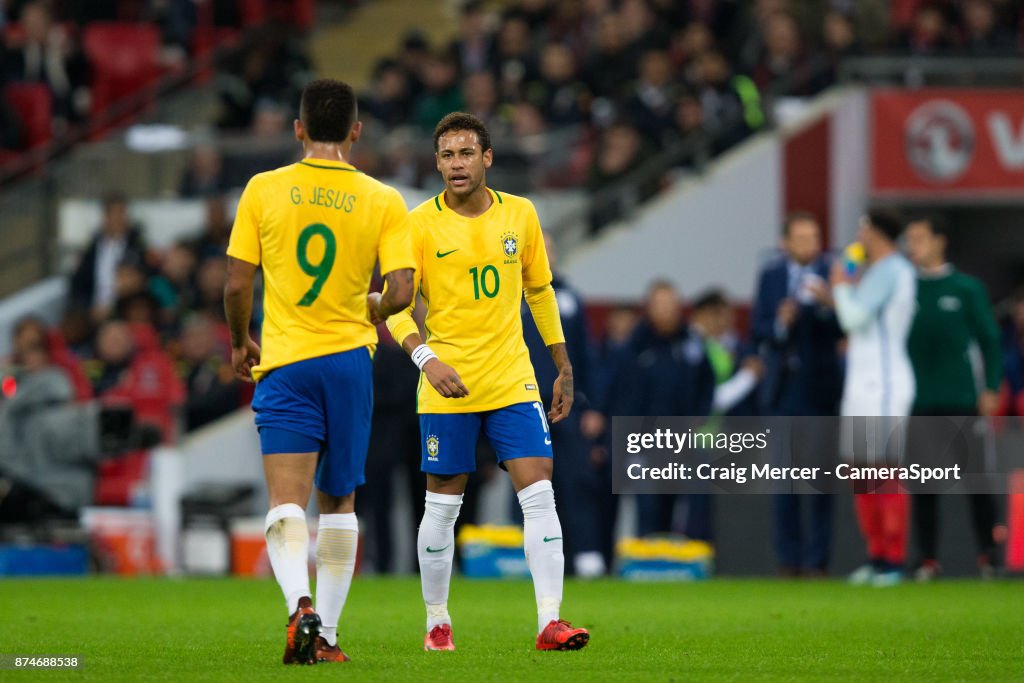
point(797, 333)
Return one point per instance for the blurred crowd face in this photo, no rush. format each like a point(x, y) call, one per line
point(924, 247)
point(695, 39)
point(29, 335)
point(129, 279)
point(461, 161)
point(663, 310)
point(439, 74)
point(37, 22)
point(619, 150)
point(655, 69)
point(178, 264)
point(929, 25)
point(782, 37)
point(218, 224)
point(802, 241)
point(557, 64)
point(714, 321)
point(610, 38)
point(527, 120)
point(637, 19)
point(712, 69)
point(514, 38)
point(689, 114)
point(116, 222)
point(114, 344)
point(838, 32)
point(391, 85)
point(620, 324)
point(979, 17)
point(197, 341)
point(481, 94)
point(210, 280)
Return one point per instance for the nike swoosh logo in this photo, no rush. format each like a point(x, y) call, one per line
point(547, 441)
point(440, 255)
point(548, 539)
point(437, 550)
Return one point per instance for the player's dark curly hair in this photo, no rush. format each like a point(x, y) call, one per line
point(462, 121)
point(886, 221)
point(328, 110)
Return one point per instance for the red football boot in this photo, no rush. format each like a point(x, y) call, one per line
point(439, 638)
point(329, 653)
point(560, 635)
point(303, 629)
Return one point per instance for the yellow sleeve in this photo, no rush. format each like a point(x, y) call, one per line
point(402, 324)
point(244, 243)
point(544, 307)
point(536, 270)
point(394, 251)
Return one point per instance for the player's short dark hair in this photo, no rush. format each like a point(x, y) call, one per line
point(937, 223)
point(114, 198)
point(711, 299)
point(887, 222)
point(328, 110)
point(460, 120)
point(796, 217)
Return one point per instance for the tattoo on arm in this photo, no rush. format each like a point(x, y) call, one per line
point(399, 287)
point(560, 355)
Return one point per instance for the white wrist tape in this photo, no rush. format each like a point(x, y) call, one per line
point(421, 354)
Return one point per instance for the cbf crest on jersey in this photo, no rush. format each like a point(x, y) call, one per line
point(510, 245)
point(433, 447)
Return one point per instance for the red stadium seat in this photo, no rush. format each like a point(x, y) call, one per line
point(34, 104)
point(124, 57)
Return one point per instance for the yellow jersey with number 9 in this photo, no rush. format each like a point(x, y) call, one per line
point(471, 274)
point(318, 227)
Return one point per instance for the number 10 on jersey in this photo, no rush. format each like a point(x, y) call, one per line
point(485, 280)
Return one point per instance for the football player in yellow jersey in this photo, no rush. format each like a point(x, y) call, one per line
point(477, 252)
point(317, 228)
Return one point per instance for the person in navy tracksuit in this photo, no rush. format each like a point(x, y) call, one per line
point(797, 334)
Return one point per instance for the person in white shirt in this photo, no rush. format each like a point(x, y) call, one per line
point(875, 306)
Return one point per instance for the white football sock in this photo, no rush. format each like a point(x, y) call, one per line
point(288, 548)
point(336, 543)
point(543, 545)
point(435, 546)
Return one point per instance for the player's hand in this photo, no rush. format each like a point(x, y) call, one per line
point(561, 398)
point(838, 274)
point(444, 379)
point(244, 359)
point(373, 308)
point(988, 403)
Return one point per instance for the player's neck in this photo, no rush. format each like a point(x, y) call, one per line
point(327, 151)
point(472, 206)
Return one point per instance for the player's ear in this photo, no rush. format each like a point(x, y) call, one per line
point(357, 130)
point(300, 130)
point(488, 158)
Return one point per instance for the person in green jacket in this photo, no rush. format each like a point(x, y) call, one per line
point(954, 317)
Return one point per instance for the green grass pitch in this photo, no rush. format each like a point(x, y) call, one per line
point(736, 630)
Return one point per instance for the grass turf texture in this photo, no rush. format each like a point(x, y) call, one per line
point(738, 630)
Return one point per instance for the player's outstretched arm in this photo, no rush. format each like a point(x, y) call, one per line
point(564, 391)
point(245, 353)
point(441, 376)
point(397, 295)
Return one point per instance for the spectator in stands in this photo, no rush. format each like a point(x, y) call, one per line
point(514, 62)
point(839, 40)
point(210, 279)
point(94, 281)
point(481, 95)
point(49, 56)
point(929, 33)
point(732, 105)
point(114, 351)
point(783, 61)
point(213, 391)
point(982, 32)
point(561, 96)
point(205, 173)
point(173, 285)
point(620, 153)
point(441, 95)
point(797, 333)
point(390, 95)
point(688, 119)
point(474, 48)
point(612, 66)
point(640, 28)
point(651, 105)
point(688, 44)
point(213, 241)
point(412, 57)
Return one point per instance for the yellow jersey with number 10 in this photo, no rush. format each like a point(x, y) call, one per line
point(471, 274)
point(318, 227)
